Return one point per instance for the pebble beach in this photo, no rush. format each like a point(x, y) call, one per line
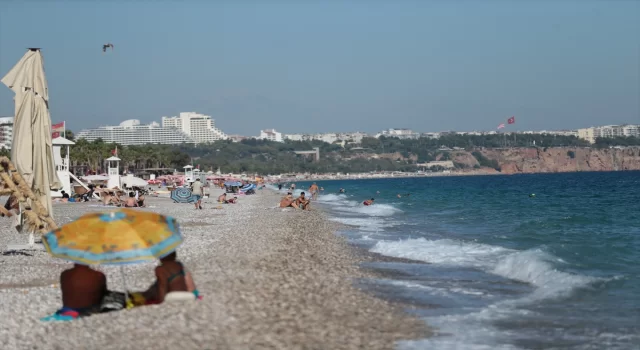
point(271, 279)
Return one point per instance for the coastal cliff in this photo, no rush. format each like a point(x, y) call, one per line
point(548, 160)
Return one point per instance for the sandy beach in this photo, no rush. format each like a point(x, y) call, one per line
point(270, 279)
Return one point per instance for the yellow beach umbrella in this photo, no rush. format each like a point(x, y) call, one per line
point(123, 236)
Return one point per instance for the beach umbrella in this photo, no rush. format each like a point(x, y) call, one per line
point(31, 149)
point(124, 236)
point(132, 181)
point(182, 195)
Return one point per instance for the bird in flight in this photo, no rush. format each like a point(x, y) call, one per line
point(105, 46)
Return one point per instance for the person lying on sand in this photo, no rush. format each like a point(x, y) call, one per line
point(82, 291)
point(131, 201)
point(233, 200)
point(303, 203)
point(288, 201)
point(171, 276)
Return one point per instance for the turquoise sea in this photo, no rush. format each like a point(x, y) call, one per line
point(502, 269)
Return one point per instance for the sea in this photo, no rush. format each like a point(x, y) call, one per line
point(539, 261)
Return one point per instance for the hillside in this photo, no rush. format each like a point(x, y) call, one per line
point(550, 160)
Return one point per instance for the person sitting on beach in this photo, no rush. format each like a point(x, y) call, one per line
point(288, 201)
point(368, 202)
point(303, 203)
point(109, 199)
point(171, 276)
point(131, 201)
point(82, 291)
point(141, 201)
point(222, 198)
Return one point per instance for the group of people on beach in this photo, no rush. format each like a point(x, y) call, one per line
point(301, 202)
point(84, 290)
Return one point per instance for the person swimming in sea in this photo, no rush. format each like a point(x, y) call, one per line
point(369, 202)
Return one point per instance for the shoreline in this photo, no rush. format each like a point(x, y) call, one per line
point(270, 279)
point(310, 178)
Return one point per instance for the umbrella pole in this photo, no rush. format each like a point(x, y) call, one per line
point(126, 291)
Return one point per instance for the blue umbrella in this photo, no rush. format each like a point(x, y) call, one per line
point(182, 195)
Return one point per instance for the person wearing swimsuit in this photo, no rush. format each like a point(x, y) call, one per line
point(170, 277)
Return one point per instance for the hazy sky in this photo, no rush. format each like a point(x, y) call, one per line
point(333, 65)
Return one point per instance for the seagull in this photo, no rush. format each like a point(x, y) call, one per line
point(105, 46)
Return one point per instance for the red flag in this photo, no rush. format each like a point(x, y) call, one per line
point(57, 127)
point(511, 120)
point(55, 134)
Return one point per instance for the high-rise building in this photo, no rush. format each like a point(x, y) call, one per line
point(131, 132)
point(6, 132)
point(198, 126)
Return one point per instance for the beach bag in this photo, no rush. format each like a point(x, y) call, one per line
point(113, 301)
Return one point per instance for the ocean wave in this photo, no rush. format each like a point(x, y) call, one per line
point(341, 202)
point(534, 266)
point(364, 224)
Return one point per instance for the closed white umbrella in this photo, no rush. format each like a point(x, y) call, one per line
point(31, 149)
point(132, 181)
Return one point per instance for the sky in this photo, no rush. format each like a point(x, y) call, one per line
point(333, 66)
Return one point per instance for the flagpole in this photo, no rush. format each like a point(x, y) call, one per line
point(64, 129)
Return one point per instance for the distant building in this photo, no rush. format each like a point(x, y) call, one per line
point(6, 132)
point(294, 137)
point(131, 132)
point(329, 137)
point(199, 127)
point(608, 131)
point(399, 133)
point(236, 138)
point(271, 135)
point(447, 164)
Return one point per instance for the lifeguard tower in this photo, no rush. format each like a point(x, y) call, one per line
point(113, 164)
point(188, 174)
point(62, 165)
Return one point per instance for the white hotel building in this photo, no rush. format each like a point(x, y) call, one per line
point(189, 127)
point(131, 132)
point(200, 127)
point(6, 132)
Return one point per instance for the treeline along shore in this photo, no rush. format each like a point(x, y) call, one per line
point(467, 154)
point(270, 279)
